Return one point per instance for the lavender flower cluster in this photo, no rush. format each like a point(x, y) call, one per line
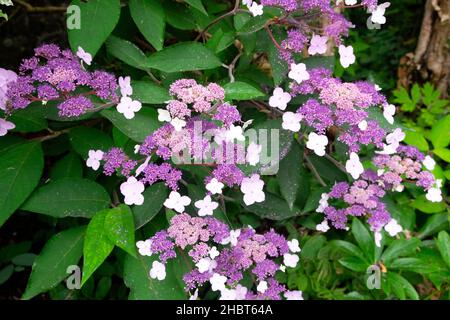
point(55, 74)
point(222, 257)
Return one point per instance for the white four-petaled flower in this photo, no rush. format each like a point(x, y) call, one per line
point(206, 264)
point(290, 260)
point(317, 143)
point(93, 160)
point(256, 9)
point(5, 126)
point(318, 45)
point(177, 202)
point(294, 246)
point(262, 286)
point(132, 191)
point(291, 121)
point(128, 107)
point(298, 72)
point(323, 226)
point(393, 228)
point(232, 238)
point(253, 153)
point(346, 56)
point(378, 13)
point(429, 163)
point(145, 247)
point(217, 282)
point(206, 206)
point(354, 166)
point(158, 271)
point(125, 86)
point(252, 187)
point(279, 99)
point(293, 295)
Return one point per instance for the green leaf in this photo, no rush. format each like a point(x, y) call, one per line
point(354, 263)
point(311, 247)
point(197, 4)
point(440, 133)
point(179, 16)
point(443, 153)
point(142, 287)
point(20, 170)
point(126, 51)
point(241, 91)
point(401, 286)
point(7, 271)
point(154, 197)
point(416, 139)
point(150, 19)
point(289, 175)
point(68, 167)
point(422, 204)
point(364, 239)
point(279, 66)
point(434, 224)
point(24, 259)
point(97, 245)
point(399, 248)
point(443, 244)
point(273, 208)
point(30, 120)
point(84, 139)
point(61, 251)
point(347, 248)
point(148, 92)
point(254, 24)
point(184, 56)
point(327, 169)
point(68, 197)
point(138, 128)
point(119, 226)
point(98, 19)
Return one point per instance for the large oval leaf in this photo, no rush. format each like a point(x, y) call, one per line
point(61, 251)
point(84, 139)
point(184, 56)
point(68, 197)
point(20, 170)
point(148, 92)
point(154, 196)
point(150, 19)
point(119, 226)
point(97, 20)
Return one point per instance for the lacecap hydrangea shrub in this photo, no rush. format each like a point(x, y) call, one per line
point(223, 147)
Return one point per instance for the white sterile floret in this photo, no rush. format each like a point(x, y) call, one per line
point(125, 86)
point(214, 186)
point(93, 161)
point(132, 191)
point(323, 202)
point(346, 56)
point(294, 246)
point(298, 72)
point(378, 13)
point(354, 166)
point(128, 107)
point(234, 132)
point(206, 206)
point(262, 286)
point(290, 260)
point(393, 228)
point(137, 148)
point(177, 202)
point(142, 167)
point(227, 294)
point(164, 115)
point(252, 188)
point(232, 238)
point(395, 137)
point(323, 226)
point(158, 271)
point(362, 125)
point(217, 282)
point(213, 252)
point(145, 247)
point(293, 295)
point(241, 292)
point(253, 153)
point(317, 143)
point(279, 99)
point(85, 56)
point(434, 194)
point(378, 237)
point(318, 45)
point(178, 124)
point(291, 121)
point(351, 2)
point(389, 112)
point(256, 9)
point(205, 264)
point(429, 163)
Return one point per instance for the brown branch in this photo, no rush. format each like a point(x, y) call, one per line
point(30, 8)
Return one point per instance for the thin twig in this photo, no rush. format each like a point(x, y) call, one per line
point(232, 66)
point(272, 37)
point(336, 163)
point(31, 8)
point(314, 170)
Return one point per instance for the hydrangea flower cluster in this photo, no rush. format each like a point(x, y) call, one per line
point(55, 74)
point(222, 256)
